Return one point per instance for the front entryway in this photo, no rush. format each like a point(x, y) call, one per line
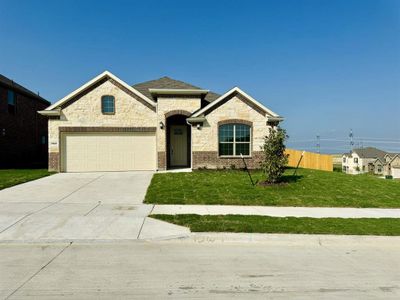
point(178, 142)
point(178, 145)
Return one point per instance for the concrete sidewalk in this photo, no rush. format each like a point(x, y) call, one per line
point(273, 211)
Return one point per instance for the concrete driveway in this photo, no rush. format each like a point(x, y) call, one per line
point(81, 206)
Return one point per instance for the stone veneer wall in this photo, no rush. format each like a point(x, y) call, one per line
point(85, 111)
point(205, 140)
point(167, 104)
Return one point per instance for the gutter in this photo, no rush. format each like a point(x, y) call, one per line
point(50, 113)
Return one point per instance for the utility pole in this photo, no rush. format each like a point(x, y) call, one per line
point(351, 140)
point(318, 144)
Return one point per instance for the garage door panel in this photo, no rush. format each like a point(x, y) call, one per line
point(89, 152)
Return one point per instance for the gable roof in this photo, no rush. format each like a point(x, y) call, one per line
point(369, 152)
point(380, 159)
point(391, 155)
point(239, 91)
point(394, 157)
point(105, 74)
point(12, 84)
point(169, 83)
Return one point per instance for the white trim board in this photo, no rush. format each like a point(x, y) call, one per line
point(95, 80)
point(237, 90)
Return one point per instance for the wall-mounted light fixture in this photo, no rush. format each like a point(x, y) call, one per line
point(3, 132)
point(161, 125)
point(198, 126)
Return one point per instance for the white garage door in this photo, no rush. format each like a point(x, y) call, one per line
point(91, 152)
point(396, 172)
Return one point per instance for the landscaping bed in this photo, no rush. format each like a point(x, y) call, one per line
point(10, 177)
point(262, 224)
point(311, 188)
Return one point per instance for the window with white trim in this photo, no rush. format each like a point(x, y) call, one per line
point(234, 139)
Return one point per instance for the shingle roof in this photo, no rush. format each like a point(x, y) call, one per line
point(370, 152)
point(169, 83)
point(10, 83)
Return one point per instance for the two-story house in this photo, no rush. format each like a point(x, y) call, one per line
point(360, 160)
point(23, 132)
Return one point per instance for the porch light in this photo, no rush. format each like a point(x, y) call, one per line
point(161, 125)
point(198, 126)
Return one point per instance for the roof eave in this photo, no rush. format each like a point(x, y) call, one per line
point(275, 119)
point(233, 90)
point(50, 113)
point(196, 119)
point(95, 80)
point(178, 91)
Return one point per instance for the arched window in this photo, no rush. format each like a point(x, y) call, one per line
point(234, 139)
point(108, 105)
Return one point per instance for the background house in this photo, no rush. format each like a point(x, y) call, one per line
point(23, 132)
point(392, 165)
point(361, 160)
point(371, 160)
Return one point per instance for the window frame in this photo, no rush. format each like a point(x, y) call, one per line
point(12, 108)
point(355, 160)
point(234, 142)
point(102, 105)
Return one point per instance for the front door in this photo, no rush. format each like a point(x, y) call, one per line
point(178, 146)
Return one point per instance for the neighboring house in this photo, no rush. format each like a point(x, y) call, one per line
point(23, 132)
point(392, 165)
point(108, 125)
point(377, 167)
point(371, 160)
point(361, 160)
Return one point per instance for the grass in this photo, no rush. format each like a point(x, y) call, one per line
point(261, 224)
point(308, 188)
point(10, 177)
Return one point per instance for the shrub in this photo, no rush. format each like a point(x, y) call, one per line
point(275, 159)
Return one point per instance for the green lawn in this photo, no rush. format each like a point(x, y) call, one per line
point(309, 188)
point(10, 177)
point(261, 224)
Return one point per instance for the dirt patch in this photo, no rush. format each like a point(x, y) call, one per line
point(265, 183)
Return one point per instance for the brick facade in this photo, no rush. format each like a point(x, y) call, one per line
point(211, 160)
point(54, 161)
point(161, 160)
point(23, 132)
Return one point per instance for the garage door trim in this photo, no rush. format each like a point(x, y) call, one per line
point(106, 129)
point(66, 131)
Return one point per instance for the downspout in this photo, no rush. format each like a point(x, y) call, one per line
point(191, 144)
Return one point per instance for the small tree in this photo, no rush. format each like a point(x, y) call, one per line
point(275, 159)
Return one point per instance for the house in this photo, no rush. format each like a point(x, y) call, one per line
point(362, 160)
point(371, 160)
point(377, 167)
point(392, 165)
point(108, 125)
point(23, 133)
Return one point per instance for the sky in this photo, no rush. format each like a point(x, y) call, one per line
point(326, 66)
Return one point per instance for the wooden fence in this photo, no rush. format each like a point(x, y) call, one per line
point(310, 160)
